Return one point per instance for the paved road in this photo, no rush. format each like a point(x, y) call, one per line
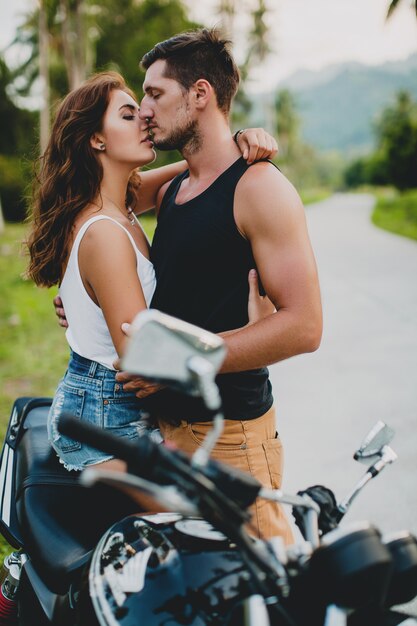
point(365, 370)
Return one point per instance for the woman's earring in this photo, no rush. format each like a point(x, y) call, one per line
point(102, 146)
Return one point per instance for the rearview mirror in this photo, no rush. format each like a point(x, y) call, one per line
point(372, 446)
point(161, 347)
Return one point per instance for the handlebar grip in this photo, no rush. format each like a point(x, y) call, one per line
point(155, 462)
point(235, 484)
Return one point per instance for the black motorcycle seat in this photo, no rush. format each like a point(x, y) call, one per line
point(60, 520)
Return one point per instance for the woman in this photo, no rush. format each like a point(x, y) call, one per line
point(86, 238)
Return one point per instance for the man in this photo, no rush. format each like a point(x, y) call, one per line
point(216, 221)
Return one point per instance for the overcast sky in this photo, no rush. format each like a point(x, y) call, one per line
point(305, 34)
point(309, 34)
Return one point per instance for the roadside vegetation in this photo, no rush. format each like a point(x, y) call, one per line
point(393, 164)
point(397, 213)
point(33, 348)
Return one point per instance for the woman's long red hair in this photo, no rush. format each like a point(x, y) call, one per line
point(70, 176)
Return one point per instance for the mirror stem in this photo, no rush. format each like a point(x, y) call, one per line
point(201, 456)
point(388, 456)
point(204, 374)
point(344, 506)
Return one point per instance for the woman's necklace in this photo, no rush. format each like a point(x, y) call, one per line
point(130, 215)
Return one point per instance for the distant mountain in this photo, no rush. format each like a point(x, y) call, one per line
point(306, 79)
point(340, 104)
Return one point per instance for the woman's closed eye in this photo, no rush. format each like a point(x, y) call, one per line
point(129, 111)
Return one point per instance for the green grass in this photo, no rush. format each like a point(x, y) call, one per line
point(33, 349)
point(397, 213)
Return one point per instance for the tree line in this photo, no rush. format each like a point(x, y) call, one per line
point(394, 162)
point(64, 41)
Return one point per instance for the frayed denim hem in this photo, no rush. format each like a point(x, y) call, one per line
point(79, 468)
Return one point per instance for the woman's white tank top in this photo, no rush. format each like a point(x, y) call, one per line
point(87, 332)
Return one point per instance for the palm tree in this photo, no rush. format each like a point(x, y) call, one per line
point(394, 3)
point(259, 35)
point(227, 10)
point(259, 49)
point(74, 41)
point(54, 32)
point(43, 35)
point(56, 28)
point(287, 121)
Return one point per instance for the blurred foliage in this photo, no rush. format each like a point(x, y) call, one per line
point(301, 163)
point(15, 173)
point(128, 29)
point(370, 170)
point(395, 160)
point(259, 34)
point(393, 163)
point(16, 130)
point(119, 32)
point(308, 169)
point(16, 149)
point(287, 122)
point(397, 213)
point(397, 138)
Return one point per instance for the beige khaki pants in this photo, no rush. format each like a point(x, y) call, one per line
point(251, 446)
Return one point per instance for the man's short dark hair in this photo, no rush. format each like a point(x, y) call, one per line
point(199, 54)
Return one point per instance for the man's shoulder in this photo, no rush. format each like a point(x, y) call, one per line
point(263, 171)
point(264, 183)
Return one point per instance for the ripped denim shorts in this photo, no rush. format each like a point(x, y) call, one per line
point(90, 392)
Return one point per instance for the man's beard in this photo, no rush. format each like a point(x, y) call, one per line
point(186, 139)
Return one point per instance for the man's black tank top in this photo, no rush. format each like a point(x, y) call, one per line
point(201, 264)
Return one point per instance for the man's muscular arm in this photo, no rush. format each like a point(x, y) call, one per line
point(269, 213)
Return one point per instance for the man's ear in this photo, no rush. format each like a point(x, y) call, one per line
point(97, 142)
point(203, 92)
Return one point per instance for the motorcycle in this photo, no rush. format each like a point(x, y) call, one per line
point(87, 557)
